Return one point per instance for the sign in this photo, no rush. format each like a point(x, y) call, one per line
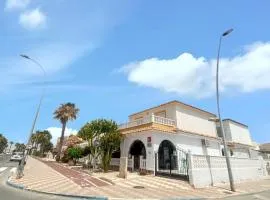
point(149, 142)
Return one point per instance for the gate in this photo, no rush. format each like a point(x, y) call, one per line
point(172, 163)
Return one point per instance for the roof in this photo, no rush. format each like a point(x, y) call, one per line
point(175, 102)
point(265, 147)
point(236, 122)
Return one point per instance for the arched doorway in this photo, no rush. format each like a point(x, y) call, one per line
point(137, 149)
point(167, 156)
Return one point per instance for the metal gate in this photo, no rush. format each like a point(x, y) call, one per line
point(172, 164)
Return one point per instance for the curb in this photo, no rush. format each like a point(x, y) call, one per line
point(22, 187)
point(18, 186)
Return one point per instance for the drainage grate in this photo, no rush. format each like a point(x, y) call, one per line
point(138, 187)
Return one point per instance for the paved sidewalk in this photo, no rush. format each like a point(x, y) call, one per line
point(41, 177)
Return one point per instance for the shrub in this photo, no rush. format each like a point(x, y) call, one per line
point(74, 153)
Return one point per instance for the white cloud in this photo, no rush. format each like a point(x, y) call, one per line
point(56, 132)
point(195, 76)
point(32, 19)
point(17, 4)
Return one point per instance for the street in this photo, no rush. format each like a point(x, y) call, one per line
point(258, 196)
point(10, 193)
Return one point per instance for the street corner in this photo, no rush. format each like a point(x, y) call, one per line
point(11, 181)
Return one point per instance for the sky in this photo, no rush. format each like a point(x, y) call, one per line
point(114, 58)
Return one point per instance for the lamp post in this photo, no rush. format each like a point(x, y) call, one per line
point(21, 165)
point(228, 162)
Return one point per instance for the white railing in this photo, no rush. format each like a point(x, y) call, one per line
point(148, 119)
point(142, 163)
point(115, 162)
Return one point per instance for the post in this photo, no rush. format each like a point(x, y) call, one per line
point(190, 168)
point(152, 117)
point(132, 163)
point(228, 162)
point(155, 172)
point(22, 163)
point(123, 167)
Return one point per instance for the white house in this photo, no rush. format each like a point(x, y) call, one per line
point(178, 139)
point(169, 131)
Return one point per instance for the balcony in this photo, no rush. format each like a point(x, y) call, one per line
point(152, 119)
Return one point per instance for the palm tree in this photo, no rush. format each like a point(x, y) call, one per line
point(64, 113)
point(11, 143)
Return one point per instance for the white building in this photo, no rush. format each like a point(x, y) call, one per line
point(238, 139)
point(160, 137)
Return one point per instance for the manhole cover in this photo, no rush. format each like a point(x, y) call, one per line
point(138, 187)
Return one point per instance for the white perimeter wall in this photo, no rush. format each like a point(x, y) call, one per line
point(185, 142)
point(211, 170)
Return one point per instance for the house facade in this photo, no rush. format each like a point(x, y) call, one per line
point(163, 135)
point(160, 138)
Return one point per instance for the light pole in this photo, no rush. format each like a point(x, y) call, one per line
point(228, 162)
point(21, 165)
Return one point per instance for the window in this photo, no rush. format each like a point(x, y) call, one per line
point(219, 132)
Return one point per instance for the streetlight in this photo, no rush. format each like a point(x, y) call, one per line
point(21, 165)
point(228, 162)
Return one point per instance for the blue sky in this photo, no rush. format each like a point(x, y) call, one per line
point(113, 58)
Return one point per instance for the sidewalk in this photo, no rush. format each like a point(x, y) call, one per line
point(58, 179)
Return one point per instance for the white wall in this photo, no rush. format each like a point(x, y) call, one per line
point(180, 140)
point(195, 121)
point(240, 134)
point(214, 170)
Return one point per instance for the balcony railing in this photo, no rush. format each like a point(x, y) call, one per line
point(148, 119)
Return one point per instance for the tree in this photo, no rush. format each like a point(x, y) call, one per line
point(64, 113)
point(3, 143)
point(43, 138)
point(20, 147)
point(73, 140)
point(91, 133)
point(11, 143)
point(109, 142)
point(103, 139)
point(48, 146)
point(75, 153)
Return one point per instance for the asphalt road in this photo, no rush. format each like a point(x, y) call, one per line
point(10, 193)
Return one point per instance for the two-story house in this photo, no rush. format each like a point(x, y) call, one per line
point(163, 134)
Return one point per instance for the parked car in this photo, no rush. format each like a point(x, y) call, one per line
point(16, 156)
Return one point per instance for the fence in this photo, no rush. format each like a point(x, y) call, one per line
point(210, 170)
point(142, 163)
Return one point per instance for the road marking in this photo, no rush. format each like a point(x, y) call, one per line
point(2, 169)
point(260, 197)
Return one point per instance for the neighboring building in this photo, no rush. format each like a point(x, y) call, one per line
point(265, 150)
point(238, 139)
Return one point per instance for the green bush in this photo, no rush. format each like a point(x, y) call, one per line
point(74, 153)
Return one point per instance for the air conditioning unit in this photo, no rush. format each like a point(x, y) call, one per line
point(205, 142)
